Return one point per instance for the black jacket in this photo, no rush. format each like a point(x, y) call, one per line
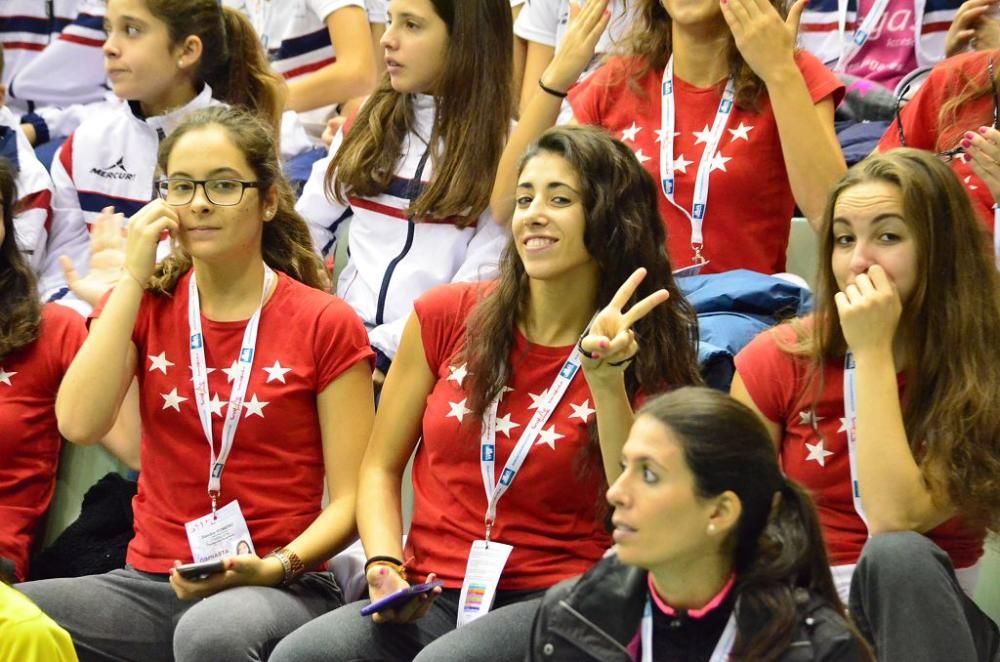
point(597, 615)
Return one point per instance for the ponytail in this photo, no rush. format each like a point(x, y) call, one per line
point(781, 569)
point(233, 62)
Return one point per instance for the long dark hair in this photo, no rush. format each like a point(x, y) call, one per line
point(650, 39)
point(286, 244)
point(20, 310)
point(473, 117)
point(233, 61)
point(777, 547)
point(623, 232)
point(950, 407)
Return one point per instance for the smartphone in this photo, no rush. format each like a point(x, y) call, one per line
point(399, 598)
point(197, 572)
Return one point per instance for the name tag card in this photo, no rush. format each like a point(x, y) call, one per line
point(217, 536)
point(482, 575)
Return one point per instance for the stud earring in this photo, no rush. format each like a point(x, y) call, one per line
point(711, 528)
point(180, 64)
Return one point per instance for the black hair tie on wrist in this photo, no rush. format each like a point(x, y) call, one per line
point(549, 90)
point(382, 559)
point(583, 352)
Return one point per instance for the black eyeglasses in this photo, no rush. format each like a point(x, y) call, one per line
point(951, 153)
point(179, 191)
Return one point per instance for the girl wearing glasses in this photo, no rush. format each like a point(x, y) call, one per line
point(956, 113)
point(164, 59)
point(735, 126)
point(883, 404)
point(413, 170)
point(253, 384)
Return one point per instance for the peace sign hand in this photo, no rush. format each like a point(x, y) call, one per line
point(766, 42)
point(609, 345)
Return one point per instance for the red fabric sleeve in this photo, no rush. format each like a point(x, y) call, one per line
point(820, 81)
point(769, 373)
point(71, 330)
point(442, 313)
point(589, 98)
point(341, 341)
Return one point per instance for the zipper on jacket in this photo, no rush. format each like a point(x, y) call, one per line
point(412, 194)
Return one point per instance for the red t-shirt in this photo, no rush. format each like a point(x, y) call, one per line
point(750, 201)
point(552, 513)
point(30, 442)
point(922, 127)
point(306, 339)
point(778, 383)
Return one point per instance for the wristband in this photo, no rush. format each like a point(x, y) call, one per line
point(388, 561)
point(549, 90)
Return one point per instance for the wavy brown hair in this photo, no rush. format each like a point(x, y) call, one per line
point(20, 310)
point(286, 245)
point(623, 232)
point(473, 118)
point(233, 62)
point(950, 407)
point(966, 88)
point(776, 548)
point(650, 40)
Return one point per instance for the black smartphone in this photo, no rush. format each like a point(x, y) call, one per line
point(197, 572)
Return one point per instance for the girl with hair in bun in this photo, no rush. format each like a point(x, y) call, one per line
point(718, 556)
point(883, 404)
point(233, 343)
point(164, 60)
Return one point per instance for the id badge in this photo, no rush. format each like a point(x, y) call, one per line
point(482, 575)
point(691, 270)
point(217, 536)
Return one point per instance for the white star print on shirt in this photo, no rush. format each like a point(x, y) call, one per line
point(843, 425)
point(809, 417)
point(458, 410)
point(662, 132)
point(536, 400)
point(549, 437)
point(276, 373)
point(159, 362)
point(254, 407)
point(817, 453)
point(216, 405)
point(642, 157)
point(630, 133)
point(969, 184)
point(172, 400)
point(742, 132)
point(231, 372)
point(458, 374)
point(681, 164)
point(582, 411)
point(719, 162)
point(703, 136)
point(505, 425)
point(5, 377)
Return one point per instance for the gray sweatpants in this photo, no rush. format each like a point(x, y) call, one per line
point(344, 635)
point(131, 615)
point(907, 602)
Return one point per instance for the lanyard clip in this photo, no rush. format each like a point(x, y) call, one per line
point(698, 257)
point(489, 530)
point(214, 496)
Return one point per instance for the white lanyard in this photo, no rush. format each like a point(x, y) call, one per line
point(851, 417)
point(487, 443)
point(861, 32)
point(199, 370)
point(722, 648)
point(667, 179)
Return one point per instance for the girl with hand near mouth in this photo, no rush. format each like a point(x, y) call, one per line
point(735, 125)
point(232, 343)
point(413, 170)
point(884, 404)
point(164, 60)
point(717, 553)
point(508, 475)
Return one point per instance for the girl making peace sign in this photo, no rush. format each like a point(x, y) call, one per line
point(487, 374)
point(733, 124)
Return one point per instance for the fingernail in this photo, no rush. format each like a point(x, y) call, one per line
point(382, 571)
point(969, 135)
point(597, 357)
point(603, 344)
point(965, 144)
point(982, 130)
